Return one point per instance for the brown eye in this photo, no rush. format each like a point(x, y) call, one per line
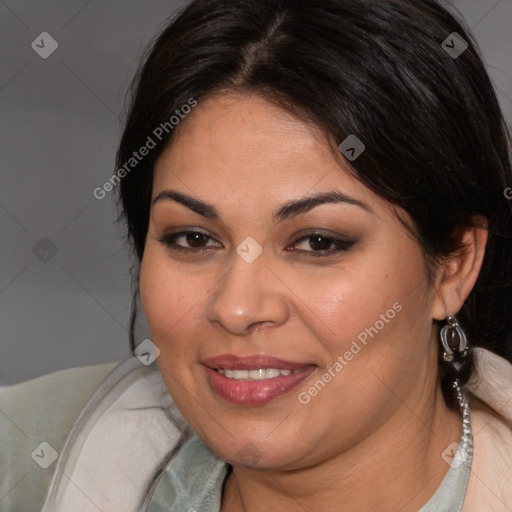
point(320, 243)
point(196, 239)
point(186, 241)
point(323, 245)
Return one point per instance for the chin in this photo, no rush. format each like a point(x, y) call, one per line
point(257, 455)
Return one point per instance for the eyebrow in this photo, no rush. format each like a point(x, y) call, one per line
point(286, 211)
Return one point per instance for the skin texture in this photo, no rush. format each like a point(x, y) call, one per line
point(372, 438)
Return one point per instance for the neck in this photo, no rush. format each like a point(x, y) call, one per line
point(399, 467)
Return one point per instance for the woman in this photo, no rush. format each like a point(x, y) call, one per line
point(315, 195)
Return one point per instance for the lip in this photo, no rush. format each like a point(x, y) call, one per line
point(257, 392)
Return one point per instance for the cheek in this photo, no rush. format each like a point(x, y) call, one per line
point(171, 301)
point(346, 302)
point(169, 298)
point(374, 310)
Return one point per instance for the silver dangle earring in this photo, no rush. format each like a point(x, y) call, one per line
point(467, 435)
point(456, 357)
point(448, 332)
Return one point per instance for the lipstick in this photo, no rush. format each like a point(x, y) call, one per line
point(245, 391)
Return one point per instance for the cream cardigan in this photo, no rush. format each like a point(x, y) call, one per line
point(112, 447)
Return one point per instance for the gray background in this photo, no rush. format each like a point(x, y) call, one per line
point(64, 272)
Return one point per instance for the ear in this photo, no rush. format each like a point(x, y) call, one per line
point(457, 274)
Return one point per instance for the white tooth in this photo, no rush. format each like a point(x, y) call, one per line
point(241, 374)
point(257, 374)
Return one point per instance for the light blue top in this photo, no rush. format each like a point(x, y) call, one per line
point(193, 482)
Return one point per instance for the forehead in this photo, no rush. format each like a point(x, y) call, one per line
point(242, 146)
point(243, 136)
point(242, 127)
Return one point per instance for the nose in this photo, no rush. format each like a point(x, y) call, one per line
point(248, 298)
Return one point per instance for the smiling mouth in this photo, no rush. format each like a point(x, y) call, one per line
point(254, 379)
point(257, 374)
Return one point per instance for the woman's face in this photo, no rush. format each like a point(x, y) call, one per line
point(332, 294)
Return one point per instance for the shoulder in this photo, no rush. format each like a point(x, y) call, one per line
point(35, 418)
point(491, 418)
point(119, 445)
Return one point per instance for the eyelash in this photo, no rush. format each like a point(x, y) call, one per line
point(169, 240)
